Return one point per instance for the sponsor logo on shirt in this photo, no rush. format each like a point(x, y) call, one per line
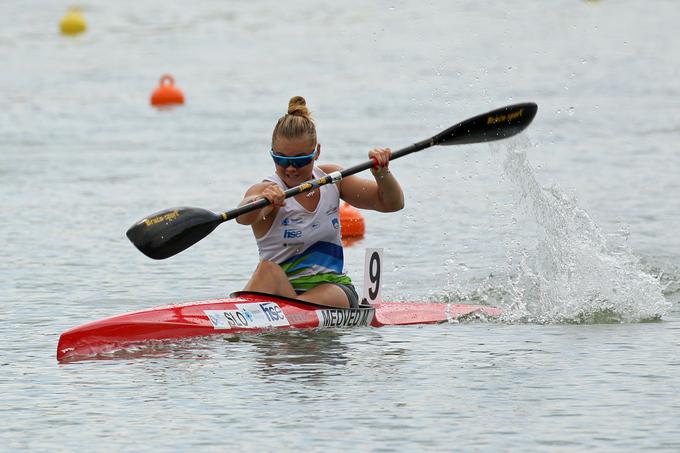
point(335, 222)
point(292, 234)
point(292, 221)
point(332, 210)
point(315, 226)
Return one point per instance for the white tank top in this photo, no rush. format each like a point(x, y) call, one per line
point(307, 244)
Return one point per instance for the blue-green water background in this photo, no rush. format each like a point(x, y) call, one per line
point(572, 229)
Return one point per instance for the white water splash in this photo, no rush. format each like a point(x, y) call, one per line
point(576, 273)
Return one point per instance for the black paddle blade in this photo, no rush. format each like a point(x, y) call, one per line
point(494, 125)
point(166, 233)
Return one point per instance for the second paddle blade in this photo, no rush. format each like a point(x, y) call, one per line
point(168, 232)
point(494, 125)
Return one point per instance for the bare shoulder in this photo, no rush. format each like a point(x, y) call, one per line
point(329, 168)
point(347, 184)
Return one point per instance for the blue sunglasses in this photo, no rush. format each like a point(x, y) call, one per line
point(297, 162)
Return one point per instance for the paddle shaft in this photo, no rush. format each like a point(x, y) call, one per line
point(494, 125)
point(331, 178)
point(168, 232)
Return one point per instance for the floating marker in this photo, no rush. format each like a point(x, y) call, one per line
point(167, 93)
point(73, 22)
point(352, 222)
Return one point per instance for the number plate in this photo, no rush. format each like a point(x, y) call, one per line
point(373, 275)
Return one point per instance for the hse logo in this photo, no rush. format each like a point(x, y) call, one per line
point(248, 316)
point(292, 234)
point(273, 312)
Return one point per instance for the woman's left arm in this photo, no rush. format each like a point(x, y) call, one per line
point(383, 194)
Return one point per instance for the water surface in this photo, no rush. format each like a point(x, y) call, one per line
point(571, 228)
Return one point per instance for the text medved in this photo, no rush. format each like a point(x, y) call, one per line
point(346, 317)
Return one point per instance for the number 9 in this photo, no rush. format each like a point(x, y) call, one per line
point(374, 275)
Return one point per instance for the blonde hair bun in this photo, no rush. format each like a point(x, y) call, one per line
point(296, 123)
point(297, 106)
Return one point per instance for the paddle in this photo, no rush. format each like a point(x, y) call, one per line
point(168, 232)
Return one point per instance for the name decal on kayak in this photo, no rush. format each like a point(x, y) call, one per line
point(345, 317)
point(502, 118)
point(248, 316)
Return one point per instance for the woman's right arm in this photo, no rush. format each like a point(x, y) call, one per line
point(268, 190)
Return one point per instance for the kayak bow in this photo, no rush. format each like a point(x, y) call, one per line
point(247, 312)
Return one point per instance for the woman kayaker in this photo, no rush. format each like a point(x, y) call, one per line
point(298, 239)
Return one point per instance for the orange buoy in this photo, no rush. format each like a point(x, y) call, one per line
point(351, 222)
point(167, 93)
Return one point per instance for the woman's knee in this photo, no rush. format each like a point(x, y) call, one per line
point(266, 267)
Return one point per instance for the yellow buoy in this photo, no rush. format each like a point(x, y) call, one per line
point(73, 22)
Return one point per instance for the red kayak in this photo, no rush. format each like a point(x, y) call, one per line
point(248, 312)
